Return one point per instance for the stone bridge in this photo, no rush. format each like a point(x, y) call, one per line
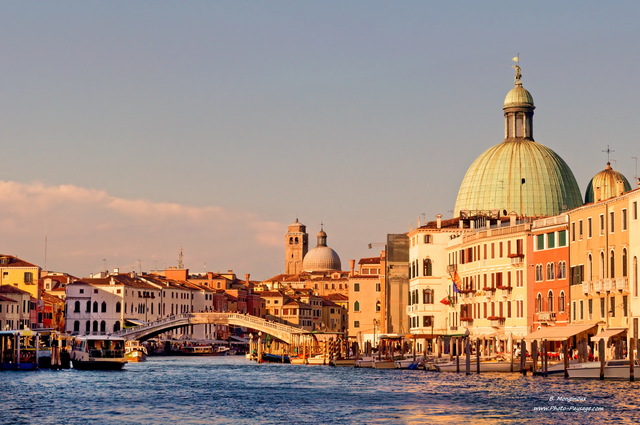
point(284, 333)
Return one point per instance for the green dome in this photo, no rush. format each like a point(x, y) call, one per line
point(606, 181)
point(522, 176)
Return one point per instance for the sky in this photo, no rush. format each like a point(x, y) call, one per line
point(131, 131)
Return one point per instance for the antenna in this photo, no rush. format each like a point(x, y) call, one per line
point(636, 175)
point(180, 263)
point(608, 151)
point(45, 248)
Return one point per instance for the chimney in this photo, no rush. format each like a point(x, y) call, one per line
point(439, 221)
point(246, 277)
point(352, 267)
point(619, 187)
point(597, 194)
point(512, 218)
point(116, 271)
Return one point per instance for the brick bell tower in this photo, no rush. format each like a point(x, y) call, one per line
point(296, 245)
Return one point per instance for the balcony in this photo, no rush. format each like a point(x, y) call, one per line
point(468, 320)
point(497, 321)
point(546, 316)
point(608, 285)
point(622, 284)
point(516, 259)
point(587, 287)
point(597, 285)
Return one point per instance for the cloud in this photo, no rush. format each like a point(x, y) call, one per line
point(88, 229)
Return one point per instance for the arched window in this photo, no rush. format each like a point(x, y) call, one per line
point(561, 302)
point(95, 326)
point(95, 306)
point(290, 241)
point(612, 264)
point(103, 308)
point(625, 272)
point(76, 326)
point(88, 306)
point(118, 307)
point(103, 326)
point(550, 301)
point(539, 302)
point(539, 275)
point(77, 307)
point(590, 269)
point(87, 327)
point(427, 296)
point(427, 267)
point(378, 306)
point(116, 326)
point(601, 273)
point(551, 272)
point(356, 306)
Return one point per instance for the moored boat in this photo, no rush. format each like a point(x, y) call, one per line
point(320, 359)
point(364, 362)
point(19, 350)
point(275, 358)
point(409, 363)
point(135, 352)
point(96, 352)
point(384, 364)
point(613, 369)
point(485, 366)
point(343, 362)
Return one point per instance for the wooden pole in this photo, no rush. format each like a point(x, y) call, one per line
point(565, 355)
point(523, 357)
point(468, 353)
point(534, 355)
point(457, 345)
point(631, 371)
point(601, 356)
point(478, 356)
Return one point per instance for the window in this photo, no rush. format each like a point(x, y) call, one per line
point(589, 228)
point(602, 301)
point(356, 323)
point(28, 277)
point(539, 273)
point(427, 321)
point(613, 306)
point(356, 287)
point(356, 306)
point(103, 308)
point(76, 326)
point(427, 296)
point(377, 286)
point(77, 308)
point(625, 301)
point(635, 210)
point(561, 302)
point(562, 238)
point(562, 270)
point(539, 302)
point(88, 307)
point(624, 263)
point(581, 309)
point(551, 271)
point(540, 242)
point(118, 307)
point(612, 222)
point(580, 229)
point(601, 224)
point(550, 301)
point(612, 265)
point(624, 219)
point(378, 306)
point(427, 238)
point(590, 308)
point(427, 267)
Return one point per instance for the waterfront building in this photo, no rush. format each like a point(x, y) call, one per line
point(15, 308)
point(366, 316)
point(491, 261)
point(600, 250)
point(102, 305)
point(548, 273)
point(430, 292)
point(334, 317)
point(394, 279)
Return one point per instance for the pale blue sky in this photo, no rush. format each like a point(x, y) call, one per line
point(359, 114)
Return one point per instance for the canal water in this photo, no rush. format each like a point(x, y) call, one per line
point(233, 390)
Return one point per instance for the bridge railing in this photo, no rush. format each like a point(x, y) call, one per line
point(150, 325)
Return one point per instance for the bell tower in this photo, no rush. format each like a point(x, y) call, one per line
point(296, 245)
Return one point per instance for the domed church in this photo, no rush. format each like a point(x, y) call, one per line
point(321, 258)
point(606, 184)
point(298, 258)
point(518, 175)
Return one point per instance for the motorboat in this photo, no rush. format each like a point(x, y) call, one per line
point(135, 352)
point(485, 366)
point(343, 362)
point(19, 350)
point(613, 369)
point(320, 359)
point(409, 363)
point(98, 352)
point(365, 362)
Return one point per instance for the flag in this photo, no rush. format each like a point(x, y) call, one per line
point(446, 301)
point(456, 281)
point(516, 59)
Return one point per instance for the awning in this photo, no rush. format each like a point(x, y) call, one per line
point(607, 334)
point(558, 333)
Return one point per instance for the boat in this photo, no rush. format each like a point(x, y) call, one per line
point(298, 360)
point(320, 359)
point(411, 364)
point(364, 362)
point(19, 350)
point(384, 364)
point(275, 358)
point(485, 366)
point(343, 362)
point(135, 352)
point(98, 352)
point(613, 369)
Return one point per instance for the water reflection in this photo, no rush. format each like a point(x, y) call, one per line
point(223, 390)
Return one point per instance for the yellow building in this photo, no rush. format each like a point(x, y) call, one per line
point(19, 273)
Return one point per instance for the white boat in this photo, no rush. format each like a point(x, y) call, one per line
point(135, 352)
point(613, 369)
point(365, 362)
point(409, 363)
point(320, 359)
point(485, 366)
point(94, 352)
point(298, 360)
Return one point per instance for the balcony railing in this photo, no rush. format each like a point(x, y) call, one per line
point(622, 284)
point(597, 285)
point(546, 316)
point(608, 285)
point(587, 287)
